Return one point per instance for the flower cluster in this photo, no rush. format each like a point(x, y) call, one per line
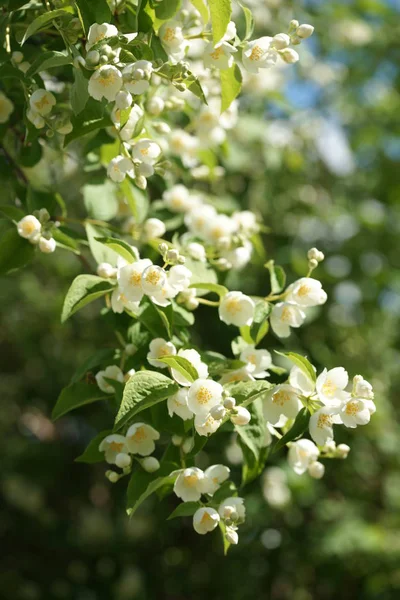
point(37, 230)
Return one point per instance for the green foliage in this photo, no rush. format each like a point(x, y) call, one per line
point(252, 443)
point(231, 84)
point(296, 431)
point(84, 289)
point(76, 395)
point(246, 392)
point(185, 509)
point(302, 363)
point(15, 252)
point(220, 12)
point(92, 453)
point(120, 247)
point(182, 365)
point(142, 485)
point(277, 277)
point(93, 12)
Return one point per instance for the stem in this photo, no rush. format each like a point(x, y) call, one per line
point(207, 302)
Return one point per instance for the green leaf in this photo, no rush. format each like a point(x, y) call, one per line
point(218, 289)
point(100, 252)
point(42, 21)
point(231, 84)
point(76, 395)
point(10, 72)
point(93, 11)
point(143, 390)
point(302, 363)
point(220, 12)
point(48, 60)
point(277, 277)
point(181, 364)
point(218, 364)
point(91, 113)
point(65, 241)
point(185, 509)
point(12, 212)
point(120, 247)
point(167, 9)
point(252, 443)
point(92, 453)
point(227, 490)
point(200, 273)
point(249, 21)
point(296, 431)
point(225, 542)
point(79, 95)
point(202, 7)
point(15, 251)
point(137, 199)
point(245, 334)
point(104, 356)
point(260, 326)
point(84, 289)
point(246, 392)
point(101, 201)
point(155, 319)
point(142, 485)
point(181, 316)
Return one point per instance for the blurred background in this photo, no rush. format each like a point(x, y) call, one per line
point(316, 153)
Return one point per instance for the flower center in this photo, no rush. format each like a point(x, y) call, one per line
point(303, 290)
point(203, 396)
point(256, 53)
point(352, 409)
point(191, 480)
point(216, 54)
point(116, 446)
point(153, 277)
point(135, 278)
point(139, 435)
point(169, 35)
point(329, 388)
point(280, 398)
point(107, 79)
point(205, 519)
point(324, 421)
point(286, 314)
point(233, 306)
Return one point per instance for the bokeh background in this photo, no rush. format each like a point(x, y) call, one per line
point(316, 153)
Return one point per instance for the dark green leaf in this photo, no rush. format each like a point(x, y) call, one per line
point(245, 392)
point(93, 11)
point(302, 363)
point(48, 60)
point(84, 289)
point(142, 485)
point(259, 327)
point(15, 251)
point(42, 21)
point(185, 509)
point(231, 84)
point(252, 443)
point(182, 365)
point(296, 431)
point(76, 395)
point(92, 453)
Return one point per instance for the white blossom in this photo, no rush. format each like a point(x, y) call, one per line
point(153, 279)
point(153, 228)
point(301, 455)
point(259, 54)
point(235, 503)
point(150, 464)
point(306, 292)
point(111, 372)
point(42, 102)
point(140, 439)
point(159, 348)
point(47, 245)
point(216, 475)
point(177, 405)
point(316, 470)
point(281, 400)
point(196, 251)
point(355, 412)
point(197, 220)
point(206, 424)
point(123, 100)
point(236, 309)
point(285, 315)
point(172, 40)
point(112, 446)
point(178, 199)
point(362, 388)
point(203, 395)
point(258, 361)
point(130, 279)
point(106, 270)
point(118, 168)
point(146, 151)
point(29, 227)
point(128, 130)
point(136, 77)
point(191, 484)
point(240, 416)
point(98, 32)
point(205, 519)
point(106, 82)
point(120, 302)
point(321, 424)
point(299, 380)
point(331, 385)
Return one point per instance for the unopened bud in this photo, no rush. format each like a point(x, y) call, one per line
point(172, 255)
point(224, 243)
point(289, 55)
point(305, 31)
point(231, 536)
point(79, 61)
point(315, 254)
point(218, 412)
point(141, 182)
point(241, 416)
point(106, 270)
point(181, 260)
point(313, 264)
point(123, 100)
point(123, 460)
point(187, 445)
point(112, 476)
point(130, 349)
point(293, 24)
point(163, 247)
point(222, 264)
point(229, 403)
point(342, 450)
point(316, 470)
point(47, 246)
point(138, 74)
point(103, 59)
point(176, 440)
point(155, 105)
point(150, 464)
point(281, 41)
point(93, 58)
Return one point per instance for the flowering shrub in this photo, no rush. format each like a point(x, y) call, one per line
point(153, 99)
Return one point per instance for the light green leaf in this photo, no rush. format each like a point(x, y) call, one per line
point(92, 453)
point(79, 95)
point(220, 12)
point(277, 277)
point(249, 21)
point(120, 247)
point(246, 392)
point(101, 201)
point(15, 251)
point(202, 7)
point(48, 60)
point(84, 289)
point(137, 199)
point(231, 84)
point(12, 212)
point(93, 11)
point(166, 9)
point(185, 509)
point(181, 364)
point(65, 241)
point(100, 252)
point(218, 289)
point(42, 21)
point(296, 431)
point(76, 395)
point(260, 326)
point(302, 363)
point(143, 390)
point(252, 442)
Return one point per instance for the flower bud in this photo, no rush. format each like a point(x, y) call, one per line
point(138, 74)
point(222, 264)
point(231, 536)
point(17, 57)
point(304, 31)
point(229, 403)
point(342, 450)
point(103, 59)
point(155, 106)
point(112, 476)
point(106, 270)
point(141, 182)
point(47, 246)
point(79, 61)
point(281, 41)
point(154, 228)
point(163, 247)
point(176, 440)
point(289, 55)
point(187, 445)
point(123, 460)
point(162, 127)
point(92, 58)
point(316, 470)
point(65, 129)
point(181, 260)
point(172, 255)
point(224, 243)
point(123, 100)
point(241, 416)
point(315, 254)
point(218, 412)
point(130, 349)
point(192, 303)
point(313, 263)
point(150, 464)
point(293, 24)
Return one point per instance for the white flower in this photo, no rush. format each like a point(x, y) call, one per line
point(136, 77)
point(177, 405)
point(362, 388)
point(106, 82)
point(236, 309)
point(285, 315)
point(289, 55)
point(206, 424)
point(355, 412)
point(119, 302)
point(177, 199)
point(220, 55)
point(304, 31)
point(237, 504)
point(239, 257)
point(111, 372)
point(140, 439)
point(41, 102)
point(128, 129)
point(179, 278)
point(258, 361)
point(220, 226)
point(47, 245)
point(240, 416)
point(258, 54)
point(331, 385)
point(153, 279)
point(321, 424)
point(29, 227)
point(130, 279)
point(123, 460)
point(205, 520)
point(123, 100)
point(203, 395)
point(98, 32)
point(281, 400)
point(195, 359)
point(172, 40)
point(231, 535)
point(281, 41)
point(118, 168)
point(241, 374)
point(246, 221)
point(299, 380)
point(159, 348)
point(112, 445)
point(191, 484)
point(184, 145)
point(199, 218)
point(155, 105)
point(196, 251)
point(306, 292)
point(316, 470)
point(6, 108)
point(301, 455)
point(106, 270)
point(35, 119)
point(153, 228)
point(146, 151)
point(216, 475)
